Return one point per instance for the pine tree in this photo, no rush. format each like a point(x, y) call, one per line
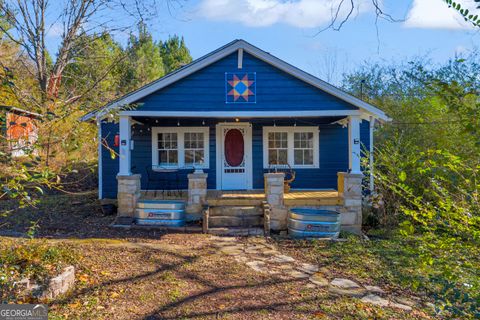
point(175, 53)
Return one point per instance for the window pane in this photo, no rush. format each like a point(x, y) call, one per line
point(173, 140)
point(189, 154)
point(308, 156)
point(298, 157)
point(282, 156)
point(162, 157)
point(272, 156)
point(284, 139)
point(199, 159)
point(172, 157)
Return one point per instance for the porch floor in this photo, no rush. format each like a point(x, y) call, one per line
point(254, 197)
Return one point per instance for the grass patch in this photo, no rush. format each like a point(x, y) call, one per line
point(446, 273)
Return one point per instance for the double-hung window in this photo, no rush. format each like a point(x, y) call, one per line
point(295, 146)
point(180, 147)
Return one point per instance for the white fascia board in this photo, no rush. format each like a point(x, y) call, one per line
point(242, 114)
point(260, 54)
point(325, 86)
point(167, 80)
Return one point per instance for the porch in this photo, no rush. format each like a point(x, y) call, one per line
point(252, 197)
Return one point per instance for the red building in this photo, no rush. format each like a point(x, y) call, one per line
point(19, 130)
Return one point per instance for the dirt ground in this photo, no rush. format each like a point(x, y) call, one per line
point(131, 274)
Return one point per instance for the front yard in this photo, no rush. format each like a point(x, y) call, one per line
point(124, 274)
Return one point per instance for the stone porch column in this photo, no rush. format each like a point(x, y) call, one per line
point(127, 196)
point(274, 192)
point(197, 192)
point(350, 188)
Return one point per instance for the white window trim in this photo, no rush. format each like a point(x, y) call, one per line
point(180, 131)
point(290, 139)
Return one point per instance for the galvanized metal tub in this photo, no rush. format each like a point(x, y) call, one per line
point(313, 223)
point(161, 204)
point(160, 217)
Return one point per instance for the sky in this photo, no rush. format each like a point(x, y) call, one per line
point(291, 30)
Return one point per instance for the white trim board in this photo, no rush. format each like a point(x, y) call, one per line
point(248, 151)
point(181, 145)
point(223, 52)
point(290, 130)
point(242, 114)
point(100, 160)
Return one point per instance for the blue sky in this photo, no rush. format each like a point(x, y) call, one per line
point(288, 29)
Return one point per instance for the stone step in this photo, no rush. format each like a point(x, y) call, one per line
point(236, 232)
point(236, 211)
point(161, 204)
point(235, 202)
point(230, 221)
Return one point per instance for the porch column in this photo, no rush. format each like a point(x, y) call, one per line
point(125, 141)
point(274, 193)
point(354, 144)
point(128, 183)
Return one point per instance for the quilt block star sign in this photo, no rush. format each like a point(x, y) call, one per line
point(240, 87)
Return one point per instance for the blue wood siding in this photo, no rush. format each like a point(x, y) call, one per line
point(109, 166)
point(333, 140)
point(276, 90)
point(142, 153)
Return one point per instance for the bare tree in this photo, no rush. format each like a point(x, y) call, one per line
point(76, 18)
point(343, 10)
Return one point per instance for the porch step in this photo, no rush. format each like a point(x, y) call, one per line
point(234, 221)
point(236, 211)
point(161, 204)
point(234, 202)
point(236, 232)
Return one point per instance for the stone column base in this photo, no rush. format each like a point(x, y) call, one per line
point(274, 192)
point(127, 197)
point(350, 188)
point(197, 192)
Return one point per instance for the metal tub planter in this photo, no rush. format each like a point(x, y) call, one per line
point(313, 223)
point(160, 213)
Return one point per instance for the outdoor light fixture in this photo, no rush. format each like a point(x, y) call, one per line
point(178, 123)
point(237, 120)
point(203, 122)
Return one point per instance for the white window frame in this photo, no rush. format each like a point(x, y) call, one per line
point(290, 130)
point(180, 131)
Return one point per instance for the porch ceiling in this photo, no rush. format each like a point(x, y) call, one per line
point(305, 121)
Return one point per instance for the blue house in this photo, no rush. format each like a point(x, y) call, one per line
point(224, 125)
